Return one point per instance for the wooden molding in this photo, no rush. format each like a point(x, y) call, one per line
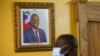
point(81, 1)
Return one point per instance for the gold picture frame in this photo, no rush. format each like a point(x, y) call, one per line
point(22, 11)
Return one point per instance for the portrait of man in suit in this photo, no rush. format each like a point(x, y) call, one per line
point(34, 34)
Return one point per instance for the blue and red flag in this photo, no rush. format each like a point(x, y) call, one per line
point(26, 20)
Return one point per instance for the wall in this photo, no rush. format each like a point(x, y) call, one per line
point(62, 24)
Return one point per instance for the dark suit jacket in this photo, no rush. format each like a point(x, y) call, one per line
point(29, 36)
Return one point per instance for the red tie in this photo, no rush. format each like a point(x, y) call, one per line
point(37, 37)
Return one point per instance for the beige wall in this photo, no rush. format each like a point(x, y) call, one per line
point(62, 24)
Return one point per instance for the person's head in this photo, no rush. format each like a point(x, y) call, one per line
point(67, 43)
point(34, 21)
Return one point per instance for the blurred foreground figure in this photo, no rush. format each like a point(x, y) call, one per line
point(66, 45)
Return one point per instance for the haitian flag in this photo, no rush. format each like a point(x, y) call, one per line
point(26, 19)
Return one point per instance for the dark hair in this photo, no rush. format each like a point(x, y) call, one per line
point(33, 16)
point(67, 39)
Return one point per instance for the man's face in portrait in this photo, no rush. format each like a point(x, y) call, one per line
point(35, 21)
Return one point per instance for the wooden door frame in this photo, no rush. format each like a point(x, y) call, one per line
point(83, 21)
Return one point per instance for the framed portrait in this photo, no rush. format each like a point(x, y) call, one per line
point(34, 26)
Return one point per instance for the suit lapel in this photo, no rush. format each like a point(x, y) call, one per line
point(40, 35)
point(32, 35)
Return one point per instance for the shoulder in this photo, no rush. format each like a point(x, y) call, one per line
point(41, 30)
